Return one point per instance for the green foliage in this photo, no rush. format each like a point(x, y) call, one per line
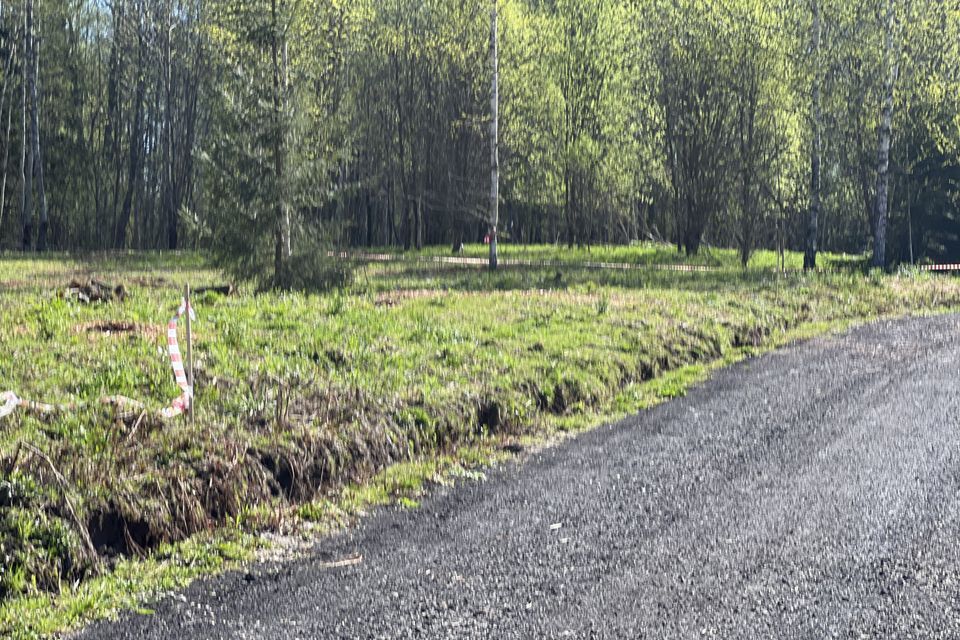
point(267, 131)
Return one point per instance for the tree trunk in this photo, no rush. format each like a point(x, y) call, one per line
point(26, 164)
point(866, 192)
point(419, 235)
point(8, 67)
point(370, 222)
point(891, 64)
point(133, 169)
point(283, 249)
point(691, 242)
point(747, 121)
point(405, 186)
point(6, 141)
point(910, 222)
point(6, 159)
point(810, 256)
point(494, 138)
point(33, 72)
point(113, 133)
point(169, 197)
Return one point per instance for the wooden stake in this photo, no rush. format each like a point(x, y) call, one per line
point(190, 411)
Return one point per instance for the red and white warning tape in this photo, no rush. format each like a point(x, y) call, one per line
point(9, 402)
point(182, 403)
point(939, 267)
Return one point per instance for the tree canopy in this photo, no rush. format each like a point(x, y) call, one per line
point(267, 129)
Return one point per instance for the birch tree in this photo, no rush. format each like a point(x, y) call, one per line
point(494, 136)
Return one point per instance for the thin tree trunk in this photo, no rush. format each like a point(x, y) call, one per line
point(907, 180)
point(405, 180)
point(113, 134)
point(26, 164)
point(866, 193)
point(910, 223)
point(6, 159)
point(891, 63)
point(6, 139)
point(747, 120)
point(370, 223)
point(35, 135)
point(136, 142)
point(420, 232)
point(8, 67)
point(781, 215)
point(810, 256)
point(494, 137)
point(283, 247)
point(169, 205)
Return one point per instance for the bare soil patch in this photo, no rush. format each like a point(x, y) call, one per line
point(117, 328)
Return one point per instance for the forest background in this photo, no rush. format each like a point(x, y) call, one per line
point(264, 131)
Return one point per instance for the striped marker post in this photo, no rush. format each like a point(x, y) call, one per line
point(10, 402)
point(189, 353)
point(183, 403)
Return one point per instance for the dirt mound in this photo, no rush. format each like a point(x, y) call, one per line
point(94, 290)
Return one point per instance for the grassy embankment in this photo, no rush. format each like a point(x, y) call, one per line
point(305, 402)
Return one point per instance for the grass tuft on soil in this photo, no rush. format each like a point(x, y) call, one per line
point(314, 408)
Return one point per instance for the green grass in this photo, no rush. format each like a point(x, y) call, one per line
point(315, 408)
point(128, 585)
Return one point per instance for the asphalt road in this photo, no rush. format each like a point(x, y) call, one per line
point(811, 493)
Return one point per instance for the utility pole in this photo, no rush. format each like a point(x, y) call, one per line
point(494, 138)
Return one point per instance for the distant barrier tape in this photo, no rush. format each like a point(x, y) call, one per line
point(939, 267)
point(10, 402)
point(556, 264)
point(518, 262)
